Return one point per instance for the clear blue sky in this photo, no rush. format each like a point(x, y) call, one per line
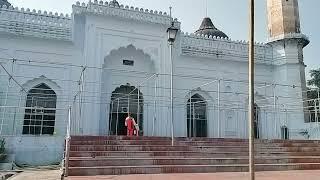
point(229, 16)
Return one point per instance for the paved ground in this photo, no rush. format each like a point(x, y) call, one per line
point(38, 175)
point(290, 175)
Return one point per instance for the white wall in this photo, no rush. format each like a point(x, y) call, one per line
point(101, 41)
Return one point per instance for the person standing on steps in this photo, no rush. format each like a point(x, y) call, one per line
point(130, 123)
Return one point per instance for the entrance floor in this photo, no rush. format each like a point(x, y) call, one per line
point(287, 175)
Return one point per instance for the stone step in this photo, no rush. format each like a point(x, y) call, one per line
point(152, 153)
point(161, 142)
point(94, 138)
point(185, 148)
point(159, 169)
point(181, 154)
point(153, 148)
point(113, 155)
point(90, 138)
point(189, 143)
point(142, 161)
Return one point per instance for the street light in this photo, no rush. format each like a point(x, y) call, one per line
point(172, 34)
point(251, 90)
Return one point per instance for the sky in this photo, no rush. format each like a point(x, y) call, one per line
point(230, 16)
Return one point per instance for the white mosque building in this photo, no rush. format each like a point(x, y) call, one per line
point(108, 59)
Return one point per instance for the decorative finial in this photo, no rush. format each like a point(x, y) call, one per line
point(171, 19)
point(206, 8)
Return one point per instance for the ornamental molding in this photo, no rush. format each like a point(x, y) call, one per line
point(24, 22)
point(102, 8)
point(291, 36)
point(42, 79)
point(223, 48)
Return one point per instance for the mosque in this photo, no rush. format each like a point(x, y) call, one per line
point(108, 59)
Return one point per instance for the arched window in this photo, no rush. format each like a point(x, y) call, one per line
point(197, 116)
point(40, 111)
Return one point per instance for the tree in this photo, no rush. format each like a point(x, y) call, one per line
point(314, 82)
point(315, 78)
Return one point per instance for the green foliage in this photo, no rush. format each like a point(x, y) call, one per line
point(315, 78)
point(312, 93)
point(2, 148)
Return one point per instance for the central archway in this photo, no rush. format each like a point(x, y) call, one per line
point(125, 99)
point(197, 117)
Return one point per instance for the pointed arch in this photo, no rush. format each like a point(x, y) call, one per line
point(260, 105)
point(40, 112)
point(197, 116)
point(137, 58)
point(125, 99)
point(256, 123)
point(285, 133)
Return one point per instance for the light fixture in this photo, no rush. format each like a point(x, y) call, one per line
point(172, 33)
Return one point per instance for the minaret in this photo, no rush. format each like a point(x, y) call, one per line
point(287, 43)
point(284, 25)
point(283, 17)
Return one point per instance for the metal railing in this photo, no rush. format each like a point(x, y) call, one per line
point(67, 145)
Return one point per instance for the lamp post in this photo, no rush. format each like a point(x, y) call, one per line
point(251, 91)
point(172, 34)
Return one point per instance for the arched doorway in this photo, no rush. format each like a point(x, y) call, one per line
point(125, 99)
point(197, 117)
point(284, 132)
point(256, 121)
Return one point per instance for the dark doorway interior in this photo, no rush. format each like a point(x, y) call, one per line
point(256, 121)
point(197, 117)
point(125, 99)
point(118, 120)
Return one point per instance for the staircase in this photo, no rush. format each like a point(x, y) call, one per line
point(111, 155)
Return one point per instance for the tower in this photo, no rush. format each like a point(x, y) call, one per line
point(283, 17)
point(287, 43)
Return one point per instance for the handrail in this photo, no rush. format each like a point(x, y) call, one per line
point(67, 148)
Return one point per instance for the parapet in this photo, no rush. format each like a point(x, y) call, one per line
point(223, 48)
point(123, 11)
point(24, 22)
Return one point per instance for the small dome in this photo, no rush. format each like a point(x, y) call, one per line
point(207, 28)
point(4, 2)
point(115, 3)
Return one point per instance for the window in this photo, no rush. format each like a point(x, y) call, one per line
point(40, 111)
point(128, 62)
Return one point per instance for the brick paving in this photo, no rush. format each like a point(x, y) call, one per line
point(289, 175)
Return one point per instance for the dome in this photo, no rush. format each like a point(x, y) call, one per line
point(207, 28)
point(4, 2)
point(115, 3)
